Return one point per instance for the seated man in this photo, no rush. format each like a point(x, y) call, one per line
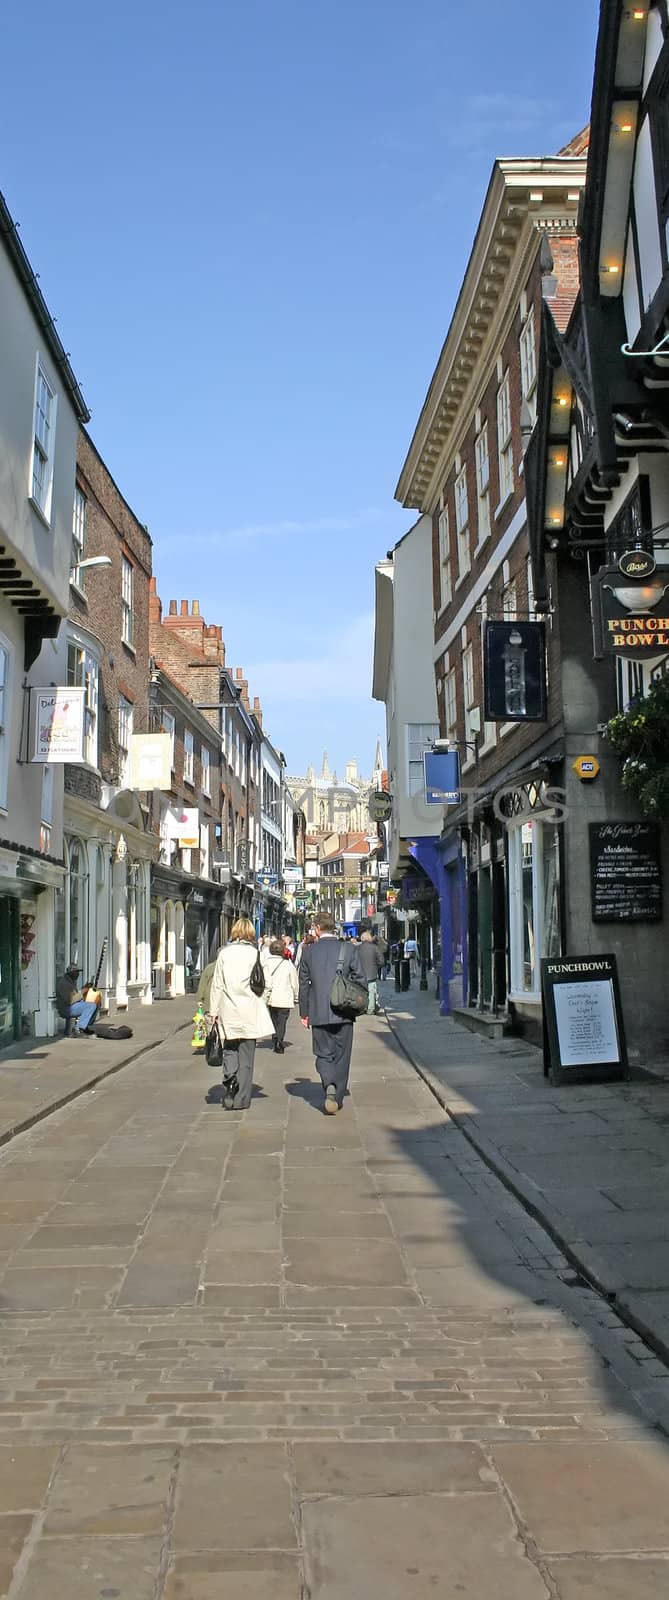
point(70, 1000)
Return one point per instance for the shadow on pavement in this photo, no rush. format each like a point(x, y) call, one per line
point(474, 1249)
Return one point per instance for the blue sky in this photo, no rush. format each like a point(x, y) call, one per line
point(251, 219)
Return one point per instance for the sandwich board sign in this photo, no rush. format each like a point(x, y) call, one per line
point(582, 1019)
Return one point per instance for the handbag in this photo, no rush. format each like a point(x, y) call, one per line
point(349, 995)
point(213, 1049)
point(257, 978)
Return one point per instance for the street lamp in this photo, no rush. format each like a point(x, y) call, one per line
point(93, 561)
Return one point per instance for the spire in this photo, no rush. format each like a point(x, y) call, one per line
point(378, 759)
point(326, 765)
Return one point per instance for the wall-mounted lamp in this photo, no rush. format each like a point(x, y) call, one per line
point(93, 561)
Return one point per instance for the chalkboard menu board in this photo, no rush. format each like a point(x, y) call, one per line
point(625, 872)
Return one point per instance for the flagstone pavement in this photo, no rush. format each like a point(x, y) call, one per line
point(275, 1354)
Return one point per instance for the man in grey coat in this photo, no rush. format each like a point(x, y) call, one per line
point(331, 1035)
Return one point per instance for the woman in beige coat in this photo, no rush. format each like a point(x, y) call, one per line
point(242, 1016)
point(281, 990)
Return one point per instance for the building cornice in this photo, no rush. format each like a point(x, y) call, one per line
point(524, 197)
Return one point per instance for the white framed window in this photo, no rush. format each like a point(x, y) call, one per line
point(534, 902)
point(450, 704)
point(445, 581)
point(5, 689)
point(127, 576)
point(420, 737)
point(189, 757)
point(529, 582)
point(83, 673)
point(510, 601)
point(168, 724)
point(125, 725)
point(206, 771)
point(44, 437)
point(462, 523)
point(78, 537)
point(528, 357)
point(46, 822)
point(483, 484)
point(468, 692)
point(504, 440)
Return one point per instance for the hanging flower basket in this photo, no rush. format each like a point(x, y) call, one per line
point(640, 736)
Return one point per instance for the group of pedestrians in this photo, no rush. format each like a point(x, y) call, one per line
point(304, 976)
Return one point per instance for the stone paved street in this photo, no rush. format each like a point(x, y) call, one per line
point(282, 1355)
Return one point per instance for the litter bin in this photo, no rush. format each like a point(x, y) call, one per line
point(402, 975)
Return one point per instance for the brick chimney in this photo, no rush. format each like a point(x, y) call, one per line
point(257, 709)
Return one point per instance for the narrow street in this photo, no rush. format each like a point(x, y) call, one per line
point(282, 1355)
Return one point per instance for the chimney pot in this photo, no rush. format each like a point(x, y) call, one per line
point(196, 608)
point(173, 608)
point(184, 608)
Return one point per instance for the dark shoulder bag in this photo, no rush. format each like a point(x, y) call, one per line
point(257, 978)
point(349, 995)
point(213, 1049)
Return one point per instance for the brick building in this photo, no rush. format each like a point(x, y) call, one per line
point(496, 864)
point(104, 649)
point(186, 898)
point(192, 653)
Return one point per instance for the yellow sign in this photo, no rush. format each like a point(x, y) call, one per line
point(586, 767)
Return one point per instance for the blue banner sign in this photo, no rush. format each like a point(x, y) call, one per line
point(442, 777)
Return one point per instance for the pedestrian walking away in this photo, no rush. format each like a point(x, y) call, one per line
point(242, 1016)
point(331, 1036)
point(281, 991)
point(411, 954)
point(71, 1003)
point(371, 961)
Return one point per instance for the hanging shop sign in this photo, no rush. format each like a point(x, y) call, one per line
point(183, 825)
point(634, 614)
point(514, 671)
point(380, 805)
point(625, 872)
point(582, 1018)
point(293, 876)
point(150, 761)
point(442, 777)
point(58, 721)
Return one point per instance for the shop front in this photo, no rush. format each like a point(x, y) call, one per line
point(534, 912)
point(29, 883)
point(102, 905)
point(189, 917)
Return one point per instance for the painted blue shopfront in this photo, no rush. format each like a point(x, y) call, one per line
point(442, 860)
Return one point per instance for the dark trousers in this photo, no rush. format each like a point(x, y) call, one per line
point(279, 1015)
point(238, 1058)
point(332, 1047)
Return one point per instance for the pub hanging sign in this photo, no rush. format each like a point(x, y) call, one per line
point(635, 615)
point(514, 676)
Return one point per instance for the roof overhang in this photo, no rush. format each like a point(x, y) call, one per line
point(383, 629)
point(524, 197)
point(617, 87)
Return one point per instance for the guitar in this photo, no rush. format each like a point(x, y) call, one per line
point(91, 992)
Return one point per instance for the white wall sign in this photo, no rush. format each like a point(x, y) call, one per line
point(58, 723)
